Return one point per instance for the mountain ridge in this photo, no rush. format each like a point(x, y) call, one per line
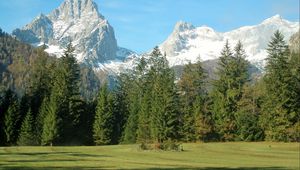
point(204, 42)
point(78, 21)
point(94, 39)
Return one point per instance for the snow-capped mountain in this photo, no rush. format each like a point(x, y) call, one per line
point(96, 45)
point(187, 43)
point(78, 21)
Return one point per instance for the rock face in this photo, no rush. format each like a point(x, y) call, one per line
point(78, 21)
point(187, 43)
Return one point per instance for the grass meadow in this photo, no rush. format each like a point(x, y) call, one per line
point(205, 156)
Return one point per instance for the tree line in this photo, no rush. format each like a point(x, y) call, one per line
point(149, 105)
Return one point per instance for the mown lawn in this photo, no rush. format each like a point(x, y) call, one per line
point(206, 156)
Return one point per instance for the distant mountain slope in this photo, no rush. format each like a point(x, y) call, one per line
point(19, 60)
point(15, 59)
point(187, 43)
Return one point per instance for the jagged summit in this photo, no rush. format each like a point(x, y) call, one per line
point(76, 9)
point(183, 26)
point(78, 21)
point(190, 43)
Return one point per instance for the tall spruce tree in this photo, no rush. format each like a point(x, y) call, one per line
point(27, 133)
point(204, 124)
point(64, 107)
point(39, 80)
point(104, 118)
point(232, 75)
point(144, 127)
point(39, 121)
point(51, 121)
point(135, 88)
point(132, 106)
point(164, 105)
point(7, 98)
point(70, 108)
point(193, 95)
point(66, 91)
point(295, 69)
point(248, 113)
point(279, 106)
point(11, 117)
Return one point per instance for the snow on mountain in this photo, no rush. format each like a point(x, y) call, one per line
point(78, 21)
point(188, 43)
point(96, 45)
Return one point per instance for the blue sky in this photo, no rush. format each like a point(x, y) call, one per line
point(141, 24)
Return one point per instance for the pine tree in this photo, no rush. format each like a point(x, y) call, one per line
point(280, 104)
point(11, 117)
point(164, 104)
point(295, 69)
point(65, 98)
point(204, 125)
point(39, 80)
point(227, 91)
point(248, 114)
point(50, 132)
point(104, 118)
point(70, 108)
point(121, 113)
point(130, 104)
point(144, 129)
point(130, 131)
point(193, 94)
point(7, 98)
point(144, 84)
point(135, 87)
point(27, 133)
point(39, 121)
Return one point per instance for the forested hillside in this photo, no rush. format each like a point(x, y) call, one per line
point(52, 101)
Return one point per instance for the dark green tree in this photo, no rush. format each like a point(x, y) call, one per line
point(27, 133)
point(7, 98)
point(65, 98)
point(280, 106)
point(144, 122)
point(134, 85)
point(104, 118)
point(164, 105)
point(11, 117)
point(204, 124)
point(192, 95)
point(227, 91)
point(248, 113)
point(131, 104)
point(51, 121)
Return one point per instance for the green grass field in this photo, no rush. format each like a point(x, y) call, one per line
point(206, 156)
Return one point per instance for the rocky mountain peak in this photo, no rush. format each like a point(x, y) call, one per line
point(78, 21)
point(76, 9)
point(183, 26)
point(274, 19)
point(187, 43)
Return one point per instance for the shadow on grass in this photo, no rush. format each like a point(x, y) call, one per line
point(75, 154)
point(32, 154)
point(180, 168)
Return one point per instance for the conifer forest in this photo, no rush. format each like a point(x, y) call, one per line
point(49, 101)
